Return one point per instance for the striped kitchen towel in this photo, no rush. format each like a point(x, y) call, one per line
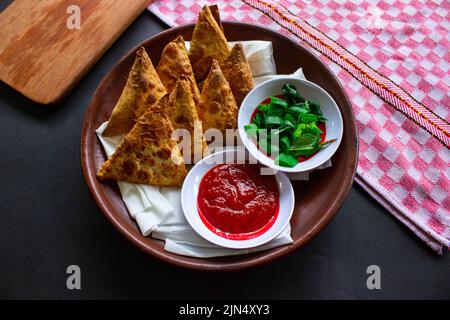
point(393, 59)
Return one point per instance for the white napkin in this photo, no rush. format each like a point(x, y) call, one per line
point(259, 55)
point(157, 211)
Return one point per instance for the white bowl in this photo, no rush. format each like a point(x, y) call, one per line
point(310, 91)
point(190, 189)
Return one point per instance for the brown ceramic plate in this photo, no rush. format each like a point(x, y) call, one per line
point(317, 200)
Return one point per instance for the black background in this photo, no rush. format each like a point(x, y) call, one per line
point(49, 221)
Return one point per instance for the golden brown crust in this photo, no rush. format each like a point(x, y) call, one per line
point(142, 89)
point(208, 43)
point(182, 112)
point(216, 15)
point(200, 85)
point(217, 108)
point(174, 63)
point(237, 71)
point(148, 154)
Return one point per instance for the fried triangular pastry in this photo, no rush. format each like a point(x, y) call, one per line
point(208, 43)
point(142, 89)
point(217, 108)
point(237, 71)
point(174, 63)
point(216, 15)
point(148, 154)
point(182, 112)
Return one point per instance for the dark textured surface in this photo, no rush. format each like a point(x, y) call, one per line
point(48, 221)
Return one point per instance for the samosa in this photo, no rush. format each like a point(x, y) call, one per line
point(208, 43)
point(217, 108)
point(182, 112)
point(237, 71)
point(148, 154)
point(142, 89)
point(174, 63)
point(216, 15)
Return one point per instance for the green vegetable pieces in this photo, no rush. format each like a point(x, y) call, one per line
point(287, 128)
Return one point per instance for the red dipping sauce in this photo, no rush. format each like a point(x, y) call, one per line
point(322, 126)
point(236, 202)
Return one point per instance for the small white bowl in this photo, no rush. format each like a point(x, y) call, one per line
point(310, 91)
point(189, 194)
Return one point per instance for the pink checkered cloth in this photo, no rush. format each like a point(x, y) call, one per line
point(393, 59)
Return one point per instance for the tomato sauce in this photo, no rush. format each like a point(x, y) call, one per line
point(322, 126)
point(236, 202)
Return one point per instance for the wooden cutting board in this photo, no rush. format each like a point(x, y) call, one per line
point(42, 53)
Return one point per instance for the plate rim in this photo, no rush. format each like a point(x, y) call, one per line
point(202, 263)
